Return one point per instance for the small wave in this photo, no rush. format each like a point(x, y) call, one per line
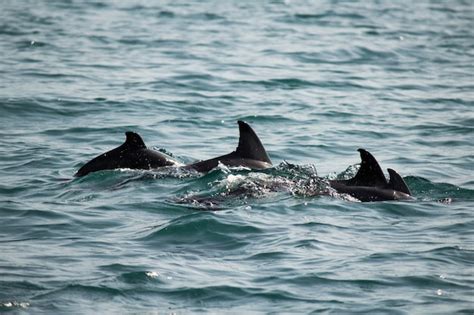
point(284, 83)
point(328, 18)
point(166, 14)
point(356, 56)
point(88, 292)
point(11, 291)
point(207, 16)
point(426, 190)
point(140, 277)
point(13, 304)
point(202, 230)
point(13, 30)
point(31, 44)
point(41, 108)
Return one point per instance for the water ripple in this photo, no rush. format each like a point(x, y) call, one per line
point(316, 80)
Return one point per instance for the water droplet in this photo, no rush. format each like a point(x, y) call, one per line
point(152, 274)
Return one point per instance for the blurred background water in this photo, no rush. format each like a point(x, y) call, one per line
point(315, 79)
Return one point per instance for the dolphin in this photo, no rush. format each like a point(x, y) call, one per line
point(133, 154)
point(370, 184)
point(249, 153)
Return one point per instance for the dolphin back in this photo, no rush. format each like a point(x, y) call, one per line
point(370, 184)
point(249, 153)
point(250, 146)
point(370, 173)
point(132, 154)
point(397, 183)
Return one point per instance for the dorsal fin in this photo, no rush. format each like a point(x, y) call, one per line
point(397, 183)
point(133, 141)
point(249, 144)
point(370, 173)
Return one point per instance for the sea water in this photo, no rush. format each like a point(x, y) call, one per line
point(315, 79)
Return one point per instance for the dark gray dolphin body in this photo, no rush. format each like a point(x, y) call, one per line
point(249, 153)
point(370, 184)
point(133, 154)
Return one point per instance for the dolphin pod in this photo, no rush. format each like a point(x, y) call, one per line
point(134, 154)
point(369, 184)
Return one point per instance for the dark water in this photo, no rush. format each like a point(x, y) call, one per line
point(316, 80)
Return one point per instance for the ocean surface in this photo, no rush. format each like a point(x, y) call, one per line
point(315, 79)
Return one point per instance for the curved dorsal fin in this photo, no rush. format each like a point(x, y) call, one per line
point(133, 141)
point(249, 144)
point(370, 173)
point(397, 183)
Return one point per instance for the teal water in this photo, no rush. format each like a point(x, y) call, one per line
point(315, 79)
